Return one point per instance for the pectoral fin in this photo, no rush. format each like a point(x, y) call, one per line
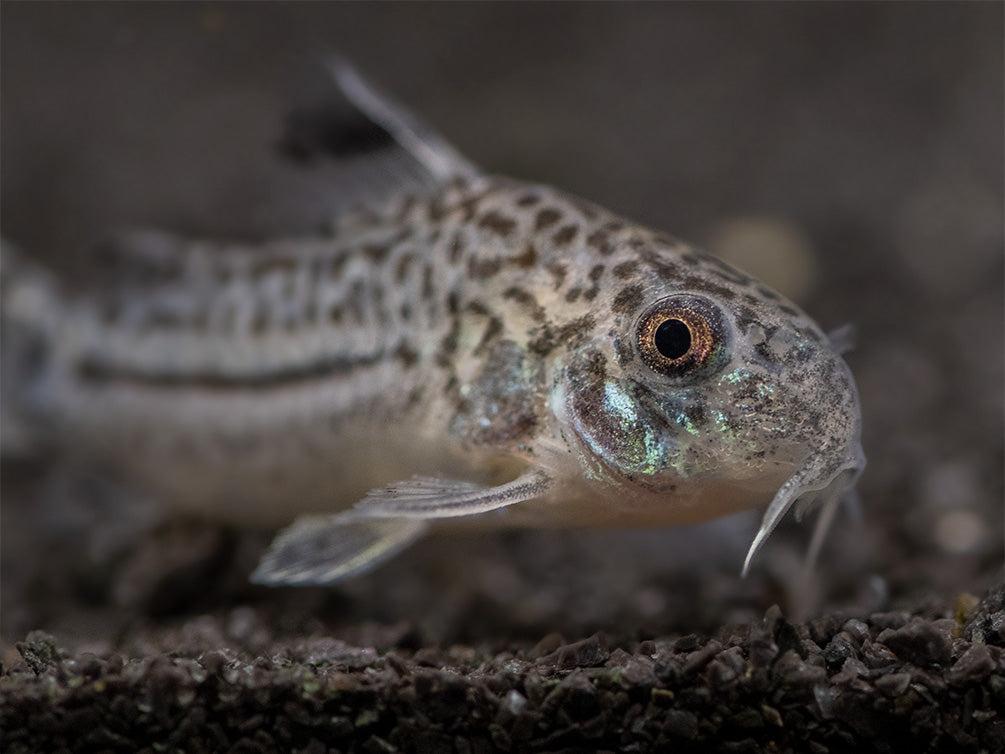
point(323, 549)
point(429, 497)
point(319, 550)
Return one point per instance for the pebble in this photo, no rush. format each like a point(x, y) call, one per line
point(975, 663)
point(588, 653)
point(893, 684)
point(919, 642)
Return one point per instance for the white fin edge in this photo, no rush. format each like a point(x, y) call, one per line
point(441, 160)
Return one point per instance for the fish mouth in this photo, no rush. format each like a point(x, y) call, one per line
point(823, 479)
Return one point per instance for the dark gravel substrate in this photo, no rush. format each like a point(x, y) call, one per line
point(881, 682)
point(866, 137)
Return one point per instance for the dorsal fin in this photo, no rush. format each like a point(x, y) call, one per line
point(369, 146)
point(133, 258)
point(428, 148)
point(365, 148)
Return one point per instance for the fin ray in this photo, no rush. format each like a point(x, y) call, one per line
point(429, 149)
point(362, 146)
point(317, 550)
point(430, 498)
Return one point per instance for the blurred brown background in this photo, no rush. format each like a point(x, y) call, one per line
point(864, 140)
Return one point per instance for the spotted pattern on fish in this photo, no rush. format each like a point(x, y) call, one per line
point(474, 326)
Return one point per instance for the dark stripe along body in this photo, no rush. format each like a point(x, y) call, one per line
point(470, 330)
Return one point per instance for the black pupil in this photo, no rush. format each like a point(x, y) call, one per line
point(673, 339)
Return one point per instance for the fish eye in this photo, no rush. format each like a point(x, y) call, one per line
point(682, 336)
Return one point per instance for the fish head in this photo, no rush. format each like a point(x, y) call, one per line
point(707, 393)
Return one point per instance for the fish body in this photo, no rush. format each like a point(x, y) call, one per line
point(468, 348)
